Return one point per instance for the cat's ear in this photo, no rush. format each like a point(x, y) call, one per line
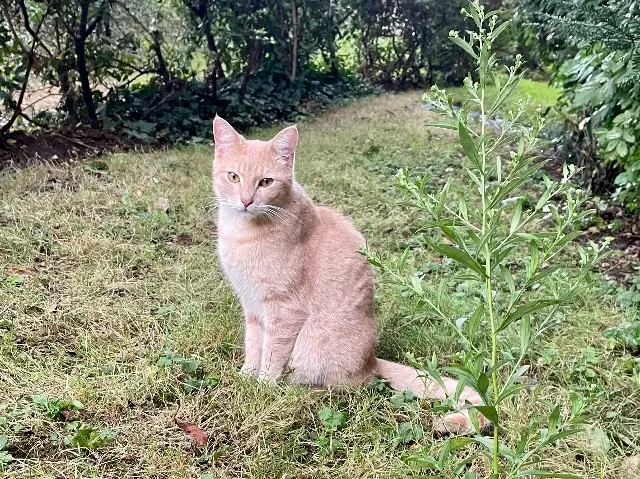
point(284, 144)
point(224, 135)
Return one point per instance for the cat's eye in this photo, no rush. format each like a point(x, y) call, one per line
point(265, 181)
point(233, 178)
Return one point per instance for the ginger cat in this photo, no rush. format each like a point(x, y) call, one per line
point(306, 291)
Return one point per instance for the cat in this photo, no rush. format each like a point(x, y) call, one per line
point(305, 289)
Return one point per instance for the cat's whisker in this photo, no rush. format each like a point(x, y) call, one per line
point(276, 216)
point(275, 213)
point(277, 208)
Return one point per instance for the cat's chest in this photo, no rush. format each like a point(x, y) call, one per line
point(253, 270)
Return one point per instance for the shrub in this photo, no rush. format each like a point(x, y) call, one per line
point(601, 80)
point(150, 113)
point(505, 248)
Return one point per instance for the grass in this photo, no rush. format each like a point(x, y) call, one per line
point(111, 296)
point(540, 94)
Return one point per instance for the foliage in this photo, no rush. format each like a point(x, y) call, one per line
point(90, 437)
point(331, 421)
point(55, 407)
point(627, 334)
point(5, 457)
point(488, 237)
point(631, 297)
point(194, 375)
point(600, 76)
point(185, 114)
point(162, 70)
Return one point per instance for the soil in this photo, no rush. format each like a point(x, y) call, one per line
point(623, 265)
point(57, 146)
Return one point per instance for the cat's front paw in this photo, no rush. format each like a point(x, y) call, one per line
point(267, 377)
point(249, 371)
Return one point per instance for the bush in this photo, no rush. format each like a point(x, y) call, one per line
point(151, 113)
point(506, 249)
point(601, 81)
point(160, 69)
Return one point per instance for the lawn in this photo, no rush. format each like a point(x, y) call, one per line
point(116, 323)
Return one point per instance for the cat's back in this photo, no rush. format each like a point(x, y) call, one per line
point(335, 228)
point(337, 248)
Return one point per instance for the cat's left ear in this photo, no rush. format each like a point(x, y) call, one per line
point(284, 144)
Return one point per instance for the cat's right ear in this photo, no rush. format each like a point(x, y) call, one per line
point(224, 135)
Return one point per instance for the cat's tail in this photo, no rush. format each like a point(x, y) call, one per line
point(401, 378)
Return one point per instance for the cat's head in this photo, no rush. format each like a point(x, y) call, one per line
point(250, 176)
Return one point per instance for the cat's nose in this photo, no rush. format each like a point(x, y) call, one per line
point(247, 203)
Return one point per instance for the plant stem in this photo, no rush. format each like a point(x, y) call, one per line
point(487, 262)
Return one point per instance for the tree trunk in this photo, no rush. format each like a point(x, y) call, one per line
point(68, 95)
point(81, 65)
point(294, 54)
point(163, 71)
point(252, 64)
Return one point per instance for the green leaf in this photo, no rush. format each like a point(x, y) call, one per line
point(5, 458)
point(528, 308)
point(449, 125)
point(468, 145)
point(164, 362)
point(544, 273)
point(534, 254)
point(89, 437)
point(554, 417)
point(3, 442)
point(525, 334)
point(403, 258)
point(483, 384)
point(408, 432)
point(505, 94)
point(332, 420)
point(464, 45)
point(444, 454)
point(416, 283)
point(189, 365)
point(508, 278)
point(487, 442)
point(460, 442)
point(472, 325)
point(462, 207)
point(496, 33)
point(561, 435)
point(515, 218)
point(460, 256)
point(489, 412)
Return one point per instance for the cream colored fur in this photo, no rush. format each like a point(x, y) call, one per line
point(306, 291)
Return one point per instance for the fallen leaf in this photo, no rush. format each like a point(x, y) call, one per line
point(19, 270)
point(197, 435)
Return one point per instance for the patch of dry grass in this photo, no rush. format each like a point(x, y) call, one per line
point(108, 266)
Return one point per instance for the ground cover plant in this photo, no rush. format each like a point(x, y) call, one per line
point(119, 338)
